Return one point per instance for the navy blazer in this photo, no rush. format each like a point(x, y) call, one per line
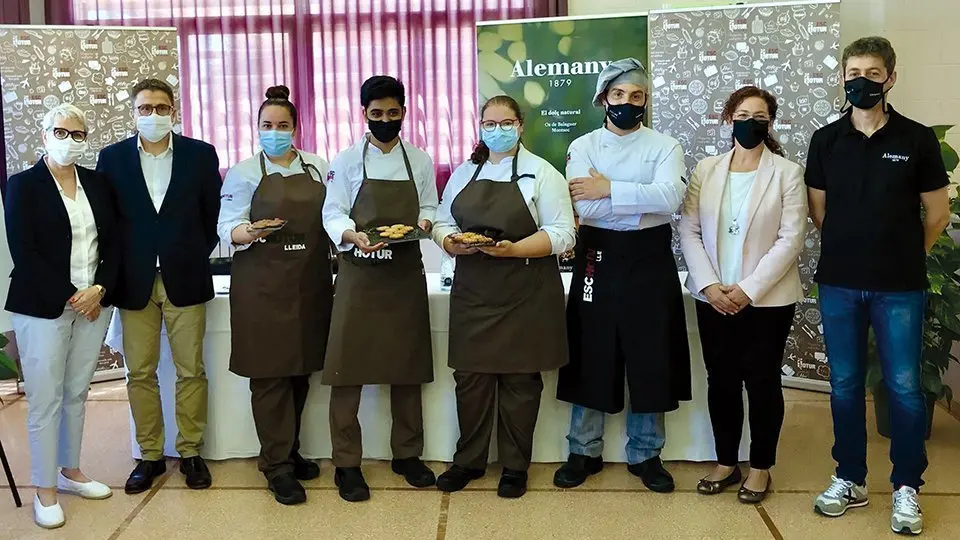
point(182, 234)
point(40, 238)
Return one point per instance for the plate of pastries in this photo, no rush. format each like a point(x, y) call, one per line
point(473, 239)
point(394, 234)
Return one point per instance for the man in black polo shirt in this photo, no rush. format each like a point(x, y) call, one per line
point(868, 175)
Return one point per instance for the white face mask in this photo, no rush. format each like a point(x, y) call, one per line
point(154, 127)
point(65, 152)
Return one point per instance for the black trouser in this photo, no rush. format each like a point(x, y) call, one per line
point(277, 407)
point(745, 349)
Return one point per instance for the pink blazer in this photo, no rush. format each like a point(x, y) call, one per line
point(775, 228)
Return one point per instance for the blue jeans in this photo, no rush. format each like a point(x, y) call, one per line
point(897, 321)
point(646, 434)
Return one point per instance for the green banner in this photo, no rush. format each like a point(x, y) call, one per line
point(550, 67)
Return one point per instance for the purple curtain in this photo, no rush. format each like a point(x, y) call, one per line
point(232, 50)
point(58, 12)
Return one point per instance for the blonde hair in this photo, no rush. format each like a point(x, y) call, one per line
point(64, 110)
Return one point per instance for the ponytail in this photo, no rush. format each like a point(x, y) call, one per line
point(774, 145)
point(481, 153)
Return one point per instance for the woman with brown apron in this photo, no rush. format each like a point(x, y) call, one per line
point(281, 289)
point(507, 302)
point(380, 331)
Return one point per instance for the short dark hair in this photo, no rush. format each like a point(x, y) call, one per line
point(155, 85)
point(280, 97)
point(382, 87)
point(872, 46)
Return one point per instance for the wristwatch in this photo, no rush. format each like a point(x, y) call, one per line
point(102, 290)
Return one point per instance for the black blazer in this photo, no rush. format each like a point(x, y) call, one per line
point(40, 238)
point(183, 234)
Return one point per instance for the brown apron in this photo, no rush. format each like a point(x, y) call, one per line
point(380, 332)
point(281, 289)
point(506, 314)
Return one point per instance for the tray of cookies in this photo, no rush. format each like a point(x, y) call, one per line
point(268, 225)
point(473, 239)
point(395, 234)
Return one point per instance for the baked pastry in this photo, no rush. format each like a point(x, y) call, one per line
point(472, 238)
point(383, 228)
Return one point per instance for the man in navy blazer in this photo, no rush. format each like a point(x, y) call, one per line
point(168, 195)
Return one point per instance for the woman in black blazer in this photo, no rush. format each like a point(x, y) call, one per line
point(60, 228)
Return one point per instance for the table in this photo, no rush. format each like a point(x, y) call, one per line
point(231, 433)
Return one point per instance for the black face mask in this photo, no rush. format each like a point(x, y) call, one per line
point(750, 133)
point(385, 131)
point(863, 93)
point(625, 116)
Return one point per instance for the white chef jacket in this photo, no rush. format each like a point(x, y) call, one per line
point(546, 194)
point(84, 246)
point(242, 181)
point(645, 169)
point(346, 177)
point(157, 170)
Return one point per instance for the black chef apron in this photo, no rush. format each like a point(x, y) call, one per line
point(281, 289)
point(625, 315)
point(380, 332)
point(506, 314)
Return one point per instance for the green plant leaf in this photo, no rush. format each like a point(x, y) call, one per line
point(941, 131)
point(950, 157)
point(8, 368)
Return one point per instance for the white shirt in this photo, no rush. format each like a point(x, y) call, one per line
point(733, 207)
point(346, 177)
point(546, 194)
point(84, 246)
point(157, 171)
point(242, 181)
point(645, 169)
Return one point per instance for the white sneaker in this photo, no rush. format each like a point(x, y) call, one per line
point(907, 517)
point(840, 496)
point(48, 517)
point(88, 490)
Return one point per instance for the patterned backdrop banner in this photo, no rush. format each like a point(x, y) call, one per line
point(93, 68)
point(699, 57)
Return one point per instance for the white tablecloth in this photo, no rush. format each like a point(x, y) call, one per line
point(231, 433)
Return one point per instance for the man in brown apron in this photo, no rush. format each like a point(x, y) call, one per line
point(506, 327)
point(281, 294)
point(380, 331)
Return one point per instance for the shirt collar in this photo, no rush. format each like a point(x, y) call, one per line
point(846, 122)
point(374, 149)
point(608, 136)
point(76, 175)
point(162, 154)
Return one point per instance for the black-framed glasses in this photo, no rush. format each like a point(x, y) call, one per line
point(62, 133)
point(490, 125)
point(147, 109)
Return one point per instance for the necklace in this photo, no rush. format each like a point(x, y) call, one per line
point(734, 228)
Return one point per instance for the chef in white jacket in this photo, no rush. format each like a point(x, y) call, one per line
point(625, 311)
point(506, 304)
point(380, 329)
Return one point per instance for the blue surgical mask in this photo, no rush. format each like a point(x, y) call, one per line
point(500, 140)
point(276, 143)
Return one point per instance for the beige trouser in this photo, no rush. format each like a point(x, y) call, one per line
point(141, 346)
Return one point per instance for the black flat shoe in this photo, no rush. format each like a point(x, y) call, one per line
point(456, 478)
point(141, 479)
point(715, 487)
point(197, 473)
point(304, 469)
point(747, 496)
point(513, 484)
point(653, 475)
point(287, 490)
point(353, 487)
point(414, 471)
point(576, 470)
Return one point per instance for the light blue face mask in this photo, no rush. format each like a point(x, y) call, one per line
point(276, 143)
point(500, 140)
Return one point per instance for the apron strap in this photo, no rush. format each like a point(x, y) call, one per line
point(406, 159)
point(303, 164)
point(263, 165)
point(513, 176)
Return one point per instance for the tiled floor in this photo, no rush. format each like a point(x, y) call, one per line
point(612, 505)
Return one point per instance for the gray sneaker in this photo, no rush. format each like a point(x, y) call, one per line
point(907, 517)
point(840, 496)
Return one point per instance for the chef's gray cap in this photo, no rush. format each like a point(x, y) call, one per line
point(626, 70)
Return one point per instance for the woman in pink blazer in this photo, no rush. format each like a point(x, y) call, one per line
point(743, 225)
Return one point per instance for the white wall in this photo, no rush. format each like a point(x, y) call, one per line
point(37, 11)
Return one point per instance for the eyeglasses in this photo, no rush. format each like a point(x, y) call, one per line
point(490, 125)
point(147, 110)
point(760, 117)
point(61, 133)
